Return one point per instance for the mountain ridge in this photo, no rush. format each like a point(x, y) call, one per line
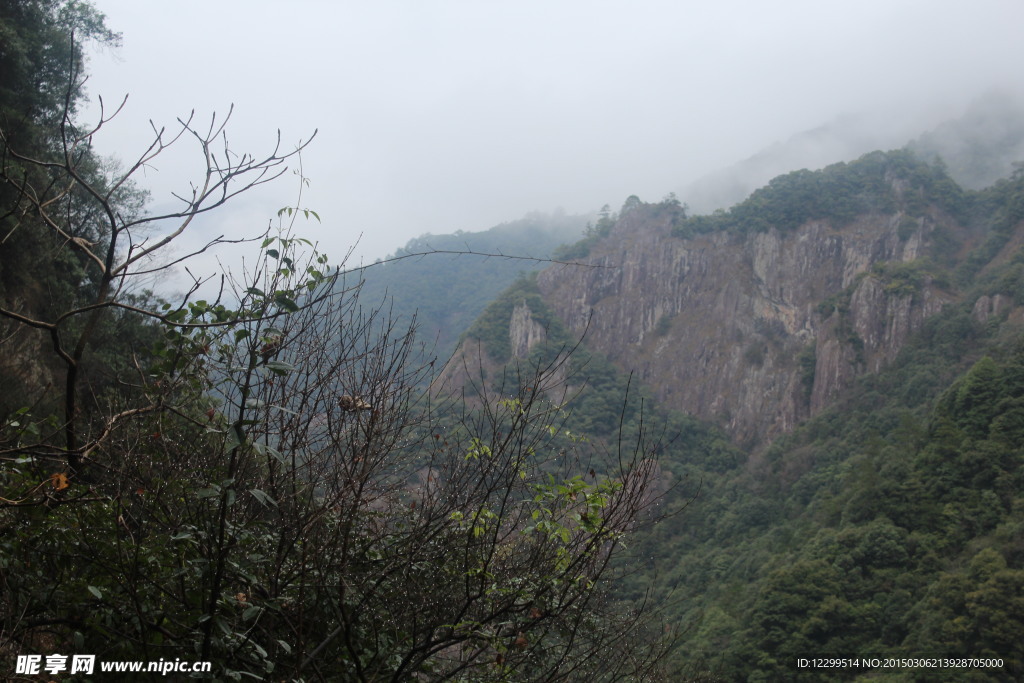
point(757, 325)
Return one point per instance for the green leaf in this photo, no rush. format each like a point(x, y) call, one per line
point(95, 591)
point(285, 302)
point(280, 367)
point(263, 497)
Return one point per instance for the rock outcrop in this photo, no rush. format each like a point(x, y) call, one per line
point(524, 332)
point(759, 317)
point(755, 331)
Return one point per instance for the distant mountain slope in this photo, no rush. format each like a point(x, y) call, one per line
point(983, 145)
point(892, 523)
point(447, 291)
point(841, 140)
point(978, 148)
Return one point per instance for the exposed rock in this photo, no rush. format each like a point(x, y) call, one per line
point(524, 332)
point(716, 324)
point(991, 306)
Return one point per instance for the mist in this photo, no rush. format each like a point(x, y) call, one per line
point(444, 116)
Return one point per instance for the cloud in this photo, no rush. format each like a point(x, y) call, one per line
point(445, 115)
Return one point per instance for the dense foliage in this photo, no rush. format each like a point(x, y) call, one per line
point(880, 182)
point(42, 272)
point(890, 525)
point(259, 483)
point(255, 479)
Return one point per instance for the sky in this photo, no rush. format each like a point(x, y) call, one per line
point(444, 115)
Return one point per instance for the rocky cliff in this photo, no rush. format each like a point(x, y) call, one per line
point(739, 329)
point(758, 329)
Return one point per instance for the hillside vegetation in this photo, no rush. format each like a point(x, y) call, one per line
point(839, 194)
point(445, 292)
point(890, 523)
point(715, 445)
point(248, 478)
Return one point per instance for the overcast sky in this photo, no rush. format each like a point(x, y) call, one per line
point(444, 115)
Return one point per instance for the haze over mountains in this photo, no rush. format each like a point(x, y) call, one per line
point(449, 292)
point(979, 147)
point(456, 116)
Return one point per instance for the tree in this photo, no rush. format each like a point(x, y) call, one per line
point(38, 277)
point(632, 202)
point(267, 489)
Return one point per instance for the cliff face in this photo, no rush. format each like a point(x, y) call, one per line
point(754, 331)
point(524, 332)
point(762, 316)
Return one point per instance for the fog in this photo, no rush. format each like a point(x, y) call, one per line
point(436, 116)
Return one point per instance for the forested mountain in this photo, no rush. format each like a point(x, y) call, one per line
point(446, 291)
point(890, 525)
point(712, 445)
point(857, 332)
point(778, 303)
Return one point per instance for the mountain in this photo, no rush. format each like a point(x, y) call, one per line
point(446, 290)
point(759, 317)
point(983, 145)
point(852, 340)
point(978, 147)
point(845, 138)
point(836, 363)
